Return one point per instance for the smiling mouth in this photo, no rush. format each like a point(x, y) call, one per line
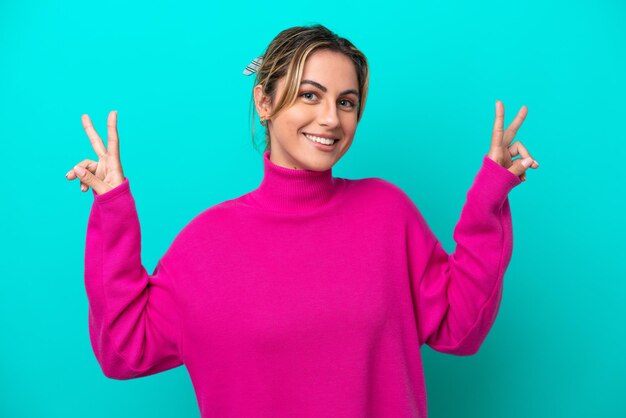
point(320, 140)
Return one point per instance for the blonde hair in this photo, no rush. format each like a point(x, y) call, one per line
point(286, 55)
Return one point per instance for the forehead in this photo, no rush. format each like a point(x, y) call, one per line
point(331, 69)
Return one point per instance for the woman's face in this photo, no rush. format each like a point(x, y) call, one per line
point(326, 107)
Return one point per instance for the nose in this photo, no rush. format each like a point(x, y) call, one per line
point(328, 115)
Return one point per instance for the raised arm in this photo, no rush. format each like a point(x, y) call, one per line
point(457, 296)
point(133, 316)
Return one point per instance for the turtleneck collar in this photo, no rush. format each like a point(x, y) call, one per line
point(290, 190)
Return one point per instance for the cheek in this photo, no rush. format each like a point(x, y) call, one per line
point(349, 123)
point(293, 120)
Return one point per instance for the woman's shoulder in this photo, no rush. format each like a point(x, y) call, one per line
point(212, 221)
point(380, 190)
point(216, 214)
point(382, 187)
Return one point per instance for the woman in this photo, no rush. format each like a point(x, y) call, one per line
point(311, 295)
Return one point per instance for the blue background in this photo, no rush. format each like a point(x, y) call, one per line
point(173, 70)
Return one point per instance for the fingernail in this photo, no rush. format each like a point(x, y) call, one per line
point(79, 170)
point(83, 187)
point(536, 162)
point(526, 162)
point(68, 173)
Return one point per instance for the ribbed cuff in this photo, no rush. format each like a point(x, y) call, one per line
point(495, 180)
point(122, 188)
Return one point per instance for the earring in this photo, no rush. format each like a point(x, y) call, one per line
point(263, 121)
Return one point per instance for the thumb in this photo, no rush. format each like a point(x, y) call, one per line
point(90, 180)
point(520, 166)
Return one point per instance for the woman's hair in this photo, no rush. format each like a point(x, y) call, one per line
point(285, 56)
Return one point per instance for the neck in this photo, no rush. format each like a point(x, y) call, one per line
point(287, 190)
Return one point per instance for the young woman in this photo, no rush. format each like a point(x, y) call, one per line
point(311, 295)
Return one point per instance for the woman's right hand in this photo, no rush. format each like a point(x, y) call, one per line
point(106, 174)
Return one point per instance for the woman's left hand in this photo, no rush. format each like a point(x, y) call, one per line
point(501, 149)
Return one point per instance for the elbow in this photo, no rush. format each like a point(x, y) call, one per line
point(112, 364)
point(468, 350)
point(458, 350)
point(468, 346)
point(115, 374)
point(115, 368)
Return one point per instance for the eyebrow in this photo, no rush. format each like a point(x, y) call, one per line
point(324, 89)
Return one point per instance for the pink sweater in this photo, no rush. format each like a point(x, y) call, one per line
point(310, 296)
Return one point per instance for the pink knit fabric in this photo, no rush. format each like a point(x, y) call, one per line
point(307, 297)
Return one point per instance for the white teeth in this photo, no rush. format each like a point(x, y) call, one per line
point(324, 141)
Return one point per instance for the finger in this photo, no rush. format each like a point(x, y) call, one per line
point(87, 164)
point(95, 140)
point(519, 149)
point(90, 180)
point(90, 165)
point(113, 143)
point(498, 126)
point(511, 130)
point(523, 177)
point(515, 151)
point(520, 166)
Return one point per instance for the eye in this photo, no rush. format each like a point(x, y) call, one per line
point(347, 103)
point(308, 95)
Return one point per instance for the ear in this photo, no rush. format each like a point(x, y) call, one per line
point(261, 101)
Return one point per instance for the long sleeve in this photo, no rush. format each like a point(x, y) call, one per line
point(133, 318)
point(457, 296)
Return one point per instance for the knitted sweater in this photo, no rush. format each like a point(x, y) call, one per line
point(309, 296)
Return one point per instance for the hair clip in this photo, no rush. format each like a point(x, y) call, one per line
point(254, 65)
